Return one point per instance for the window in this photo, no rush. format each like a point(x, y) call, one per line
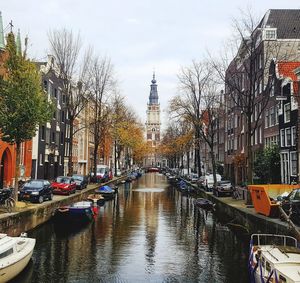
point(45, 85)
point(287, 136)
point(293, 134)
point(64, 98)
point(272, 88)
point(267, 118)
point(287, 112)
point(54, 115)
point(43, 133)
point(55, 92)
point(6, 253)
point(53, 137)
point(276, 115)
point(62, 116)
point(272, 116)
point(294, 170)
point(61, 137)
point(270, 34)
point(41, 159)
point(282, 137)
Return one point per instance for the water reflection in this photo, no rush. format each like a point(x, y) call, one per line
point(149, 233)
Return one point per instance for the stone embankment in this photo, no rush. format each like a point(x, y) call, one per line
point(243, 217)
point(28, 216)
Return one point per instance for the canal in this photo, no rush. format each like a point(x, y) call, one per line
point(149, 233)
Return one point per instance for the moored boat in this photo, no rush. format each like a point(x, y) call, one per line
point(107, 192)
point(204, 204)
point(15, 253)
point(79, 212)
point(274, 258)
point(96, 198)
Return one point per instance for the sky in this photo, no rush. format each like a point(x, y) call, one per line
point(139, 36)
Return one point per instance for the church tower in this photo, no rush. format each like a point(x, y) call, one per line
point(153, 124)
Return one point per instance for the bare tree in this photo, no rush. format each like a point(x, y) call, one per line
point(102, 83)
point(192, 83)
point(65, 47)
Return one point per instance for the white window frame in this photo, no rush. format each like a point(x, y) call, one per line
point(282, 138)
point(293, 135)
point(285, 137)
point(291, 163)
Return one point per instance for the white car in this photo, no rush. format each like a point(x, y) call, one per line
point(209, 181)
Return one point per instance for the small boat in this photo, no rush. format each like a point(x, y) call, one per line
point(96, 198)
point(78, 213)
point(107, 192)
point(274, 258)
point(15, 253)
point(204, 204)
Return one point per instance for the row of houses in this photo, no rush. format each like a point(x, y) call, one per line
point(259, 106)
point(46, 156)
point(266, 68)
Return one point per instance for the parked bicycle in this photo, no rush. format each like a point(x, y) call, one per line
point(6, 199)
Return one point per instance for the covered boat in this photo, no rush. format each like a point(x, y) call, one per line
point(274, 258)
point(107, 192)
point(15, 253)
point(78, 213)
point(204, 204)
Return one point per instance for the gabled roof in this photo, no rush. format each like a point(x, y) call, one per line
point(286, 70)
point(287, 22)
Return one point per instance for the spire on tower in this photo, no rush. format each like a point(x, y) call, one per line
point(2, 45)
point(153, 97)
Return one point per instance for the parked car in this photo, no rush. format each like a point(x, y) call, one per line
point(209, 181)
point(64, 185)
point(292, 201)
point(118, 173)
point(81, 181)
point(193, 178)
point(223, 188)
point(102, 174)
point(36, 191)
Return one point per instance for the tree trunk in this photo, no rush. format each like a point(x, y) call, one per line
point(213, 162)
point(115, 151)
point(70, 162)
point(249, 154)
point(96, 146)
point(17, 170)
point(198, 153)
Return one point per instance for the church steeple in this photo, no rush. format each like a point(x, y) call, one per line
point(2, 45)
point(153, 97)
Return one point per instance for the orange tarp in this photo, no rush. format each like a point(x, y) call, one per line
point(264, 197)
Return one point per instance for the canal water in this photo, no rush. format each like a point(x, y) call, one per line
point(149, 233)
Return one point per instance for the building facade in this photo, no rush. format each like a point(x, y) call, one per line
point(49, 144)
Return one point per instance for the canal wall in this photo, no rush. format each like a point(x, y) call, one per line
point(244, 218)
point(33, 215)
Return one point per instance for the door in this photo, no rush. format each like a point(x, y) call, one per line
point(285, 168)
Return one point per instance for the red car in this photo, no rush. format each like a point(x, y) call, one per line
point(64, 185)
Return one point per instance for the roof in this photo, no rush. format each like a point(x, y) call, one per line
point(287, 22)
point(286, 70)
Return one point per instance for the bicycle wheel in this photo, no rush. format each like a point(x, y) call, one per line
point(9, 204)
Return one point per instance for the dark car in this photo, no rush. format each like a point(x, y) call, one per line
point(223, 188)
point(81, 181)
point(36, 191)
point(291, 205)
